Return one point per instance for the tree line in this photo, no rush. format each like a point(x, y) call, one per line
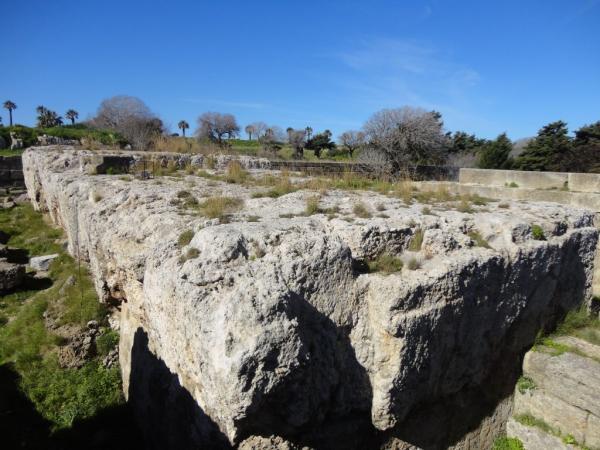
point(391, 139)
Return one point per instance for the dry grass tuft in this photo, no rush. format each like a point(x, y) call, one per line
point(220, 207)
point(416, 241)
point(236, 173)
point(385, 263)
point(361, 210)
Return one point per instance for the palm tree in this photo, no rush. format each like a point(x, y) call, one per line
point(183, 125)
point(250, 129)
point(10, 106)
point(309, 131)
point(72, 115)
point(41, 110)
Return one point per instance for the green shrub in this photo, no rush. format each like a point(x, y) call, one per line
point(537, 233)
point(508, 443)
point(525, 384)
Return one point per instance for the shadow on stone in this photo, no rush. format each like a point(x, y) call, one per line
point(169, 417)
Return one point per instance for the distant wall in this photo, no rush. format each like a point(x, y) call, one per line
point(523, 179)
point(574, 182)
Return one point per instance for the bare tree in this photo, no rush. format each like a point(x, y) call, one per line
point(297, 140)
point(142, 132)
point(250, 130)
point(269, 142)
point(215, 126)
point(407, 136)
point(115, 111)
point(130, 117)
point(259, 128)
point(352, 140)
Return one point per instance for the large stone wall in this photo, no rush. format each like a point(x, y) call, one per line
point(276, 328)
point(11, 171)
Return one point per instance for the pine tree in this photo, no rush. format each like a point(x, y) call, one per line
point(549, 151)
point(494, 154)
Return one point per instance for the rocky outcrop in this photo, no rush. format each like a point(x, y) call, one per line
point(11, 275)
point(274, 328)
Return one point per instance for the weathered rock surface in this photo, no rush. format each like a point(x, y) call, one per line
point(11, 275)
point(565, 395)
point(42, 263)
point(534, 438)
point(275, 330)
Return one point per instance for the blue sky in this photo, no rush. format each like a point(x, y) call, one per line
point(488, 66)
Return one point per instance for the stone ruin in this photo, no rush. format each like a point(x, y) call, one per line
point(272, 332)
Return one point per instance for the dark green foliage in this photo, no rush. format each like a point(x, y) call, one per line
point(76, 132)
point(550, 150)
point(537, 233)
point(320, 142)
point(585, 155)
point(461, 142)
point(494, 154)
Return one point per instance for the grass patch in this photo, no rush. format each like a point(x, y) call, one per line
point(478, 239)
point(106, 342)
point(512, 184)
point(385, 263)
point(537, 233)
point(525, 384)
point(508, 443)
point(61, 396)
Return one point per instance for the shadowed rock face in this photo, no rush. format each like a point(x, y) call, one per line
point(274, 330)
